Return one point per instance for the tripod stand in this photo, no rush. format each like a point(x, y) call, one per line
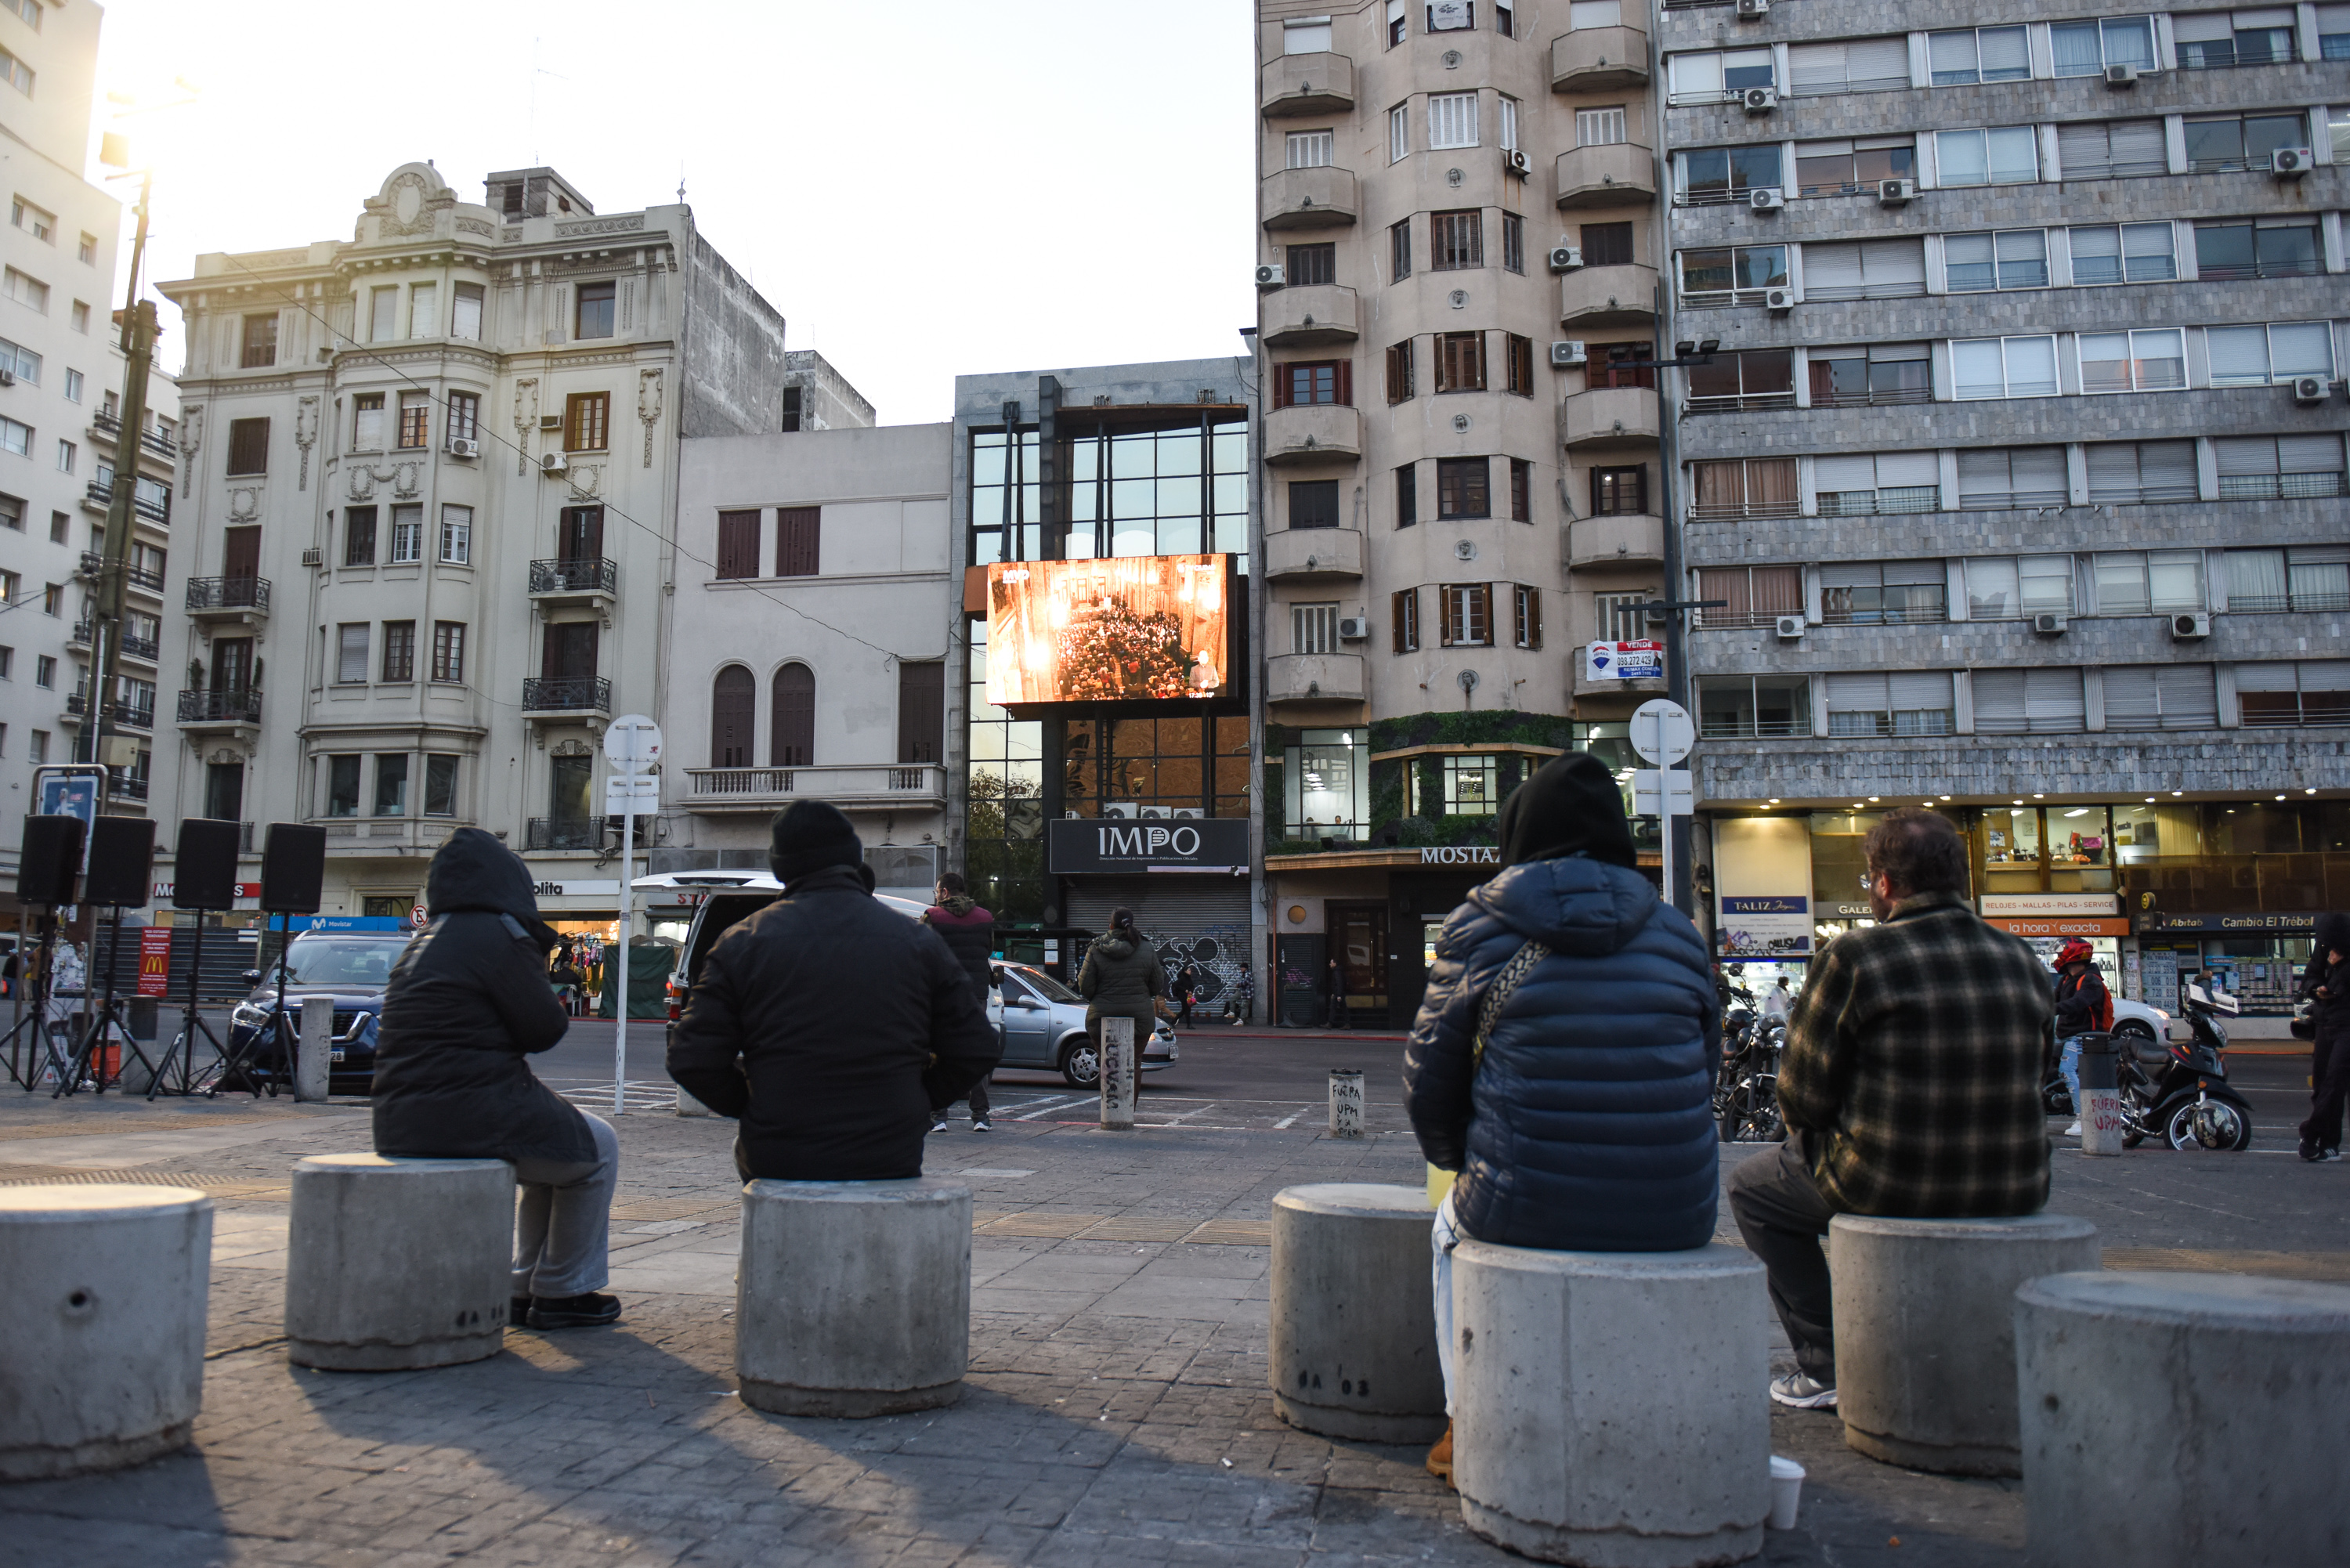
point(27, 1058)
point(183, 1044)
point(90, 1048)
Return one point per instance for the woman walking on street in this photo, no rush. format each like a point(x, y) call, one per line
point(1121, 979)
point(2326, 982)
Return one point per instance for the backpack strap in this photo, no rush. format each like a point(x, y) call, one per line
point(1522, 963)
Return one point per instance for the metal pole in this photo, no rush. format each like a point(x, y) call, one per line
point(106, 614)
point(628, 912)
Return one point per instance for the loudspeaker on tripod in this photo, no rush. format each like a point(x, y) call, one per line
point(50, 859)
point(121, 858)
point(204, 874)
point(293, 868)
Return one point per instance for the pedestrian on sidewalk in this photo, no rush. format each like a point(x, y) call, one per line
point(1562, 1062)
point(2326, 982)
point(2083, 1006)
point(1337, 1019)
point(1911, 1083)
point(1186, 991)
point(1776, 1003)
point(1121, 978)
point(467, 1001)
point(832, 1028)
point(969, 932)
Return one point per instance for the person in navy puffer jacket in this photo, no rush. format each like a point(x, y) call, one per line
point(1587, 1125)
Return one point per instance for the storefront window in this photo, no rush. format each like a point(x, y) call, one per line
point(2050, 849)
point(1189, 763)
point(1327, 783)
point(1470, 786)
point(1004, 828)
point(1838, 864)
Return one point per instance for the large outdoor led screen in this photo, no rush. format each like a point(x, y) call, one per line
point(1120, 630)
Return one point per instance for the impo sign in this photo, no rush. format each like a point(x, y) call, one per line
point(1081, 845)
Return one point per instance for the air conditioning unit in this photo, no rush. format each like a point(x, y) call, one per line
point(1752, 10)
point(2291, 162)
point(7, 378)
point(1564, 258)
point(1569, 353)
point(1188, 813)
point(1768, 199)
point(1759, 100)
point(1155, 813)
point(1270, 277)
point(314, 557)
point(1779, 301)
point(1896, 192)
point(1125, 808)
point(1791, 627)
point(2049, 625)
point(1517, 163)
point(2121, 76)
point(2189, 627)
point(553, 463)
point(550, 421)
point(2309, 390)
point(1355, 628)
point(460, 447)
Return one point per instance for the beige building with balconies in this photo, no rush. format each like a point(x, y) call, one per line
point(1457, 331)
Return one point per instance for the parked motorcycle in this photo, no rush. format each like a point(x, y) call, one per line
point(1746, 1090)
point(2186, 1099)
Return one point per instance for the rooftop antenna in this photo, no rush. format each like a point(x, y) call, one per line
point(537, 71)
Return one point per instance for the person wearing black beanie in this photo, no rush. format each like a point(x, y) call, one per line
point(810, 834)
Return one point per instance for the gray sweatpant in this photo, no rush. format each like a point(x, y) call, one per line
point(563, 1220)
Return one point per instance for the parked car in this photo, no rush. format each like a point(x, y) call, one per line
point(352, 967)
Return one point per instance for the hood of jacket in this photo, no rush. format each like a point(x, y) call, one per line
point(960, 905)
point(1113, 947)
point(2333, 932)
point(1573, 905)
point(475, 872)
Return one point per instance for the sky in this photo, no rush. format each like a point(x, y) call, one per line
point(924, 188)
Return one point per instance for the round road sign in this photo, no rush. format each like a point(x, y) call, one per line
point(1661, 732)
point(633, 743)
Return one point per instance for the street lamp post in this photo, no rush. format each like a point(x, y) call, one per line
point(100, 742)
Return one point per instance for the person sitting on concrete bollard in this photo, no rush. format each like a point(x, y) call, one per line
point(466, 1002)
point(2326, 983)
point(1121, 978)
point(1563, 1058)
point(1911, 1083)
point(832, 1028)
point(969, 932)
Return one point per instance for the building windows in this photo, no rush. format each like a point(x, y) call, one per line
point(2004, 368)
point(1460, 361)
point(1310, 266)
point(29, 10)
point(407, 536)
point(45, 671)
point(367, 421)
point(464, 416)
point(2007, 258)
point(1506, 115)
point(399, 650)
point(1399, 251)
point(1314, 504)
point(79, 317)
point(64, 458)
point(792, 718)
point(2236, 143)
point(788, 423)
point(1466, 611)
point(1451, 119)
point(2311, 694)
point(449, 652)
point(1881, 373)
point(2129, 253)
point(2003, 155)
point(1744, 487)
point(1513, 241)
point(1607, 245)
point(1733, 274)
point(1619, 492)
point(351, 653)
point(1407, 493)
point(2006, 587)
point(25, 290)
point(1463, 488)
point(383, 314)
point(425, 310)
point(1712, 75)
point(1977, 54)
point(1621, 617)
point(588, 422)
point(1313, 629)
point(2114, 150)
point(440, 784)
point(1312, 381)
point(1754, 596)
point(2130, 473)
point(2334, 32)
point(1582, 14)
point(358, 537)
point(2008, 477)
point(1404, 629)
point(1875, 484)
point(1505, 21)
point(18, 74)
point(465, 315)
point(73, 384)
point(2152, 361)
point(1456, 240)
point(343, 785)
point(2278, 468)
point(1307, 149)
point(1609, 126)
point(1399, 133)
point(1755, 707)
point(88, 251)
point(456, 536)
point(733, 710)
point(15, 437)
point(260, 346)
point(592, 310)
point(40, 747)
point(1395, 11)
point(1903, 702)
point(1401, 377)
point(2262, 356)
point(2041, 701)
point(1308, 37)
point(2305, 577)
point(799, 536)
point(1520, 372)
point(2242, 248)
point(391, 783)
point(1883, 593)
point(1526, 615)
point(415, 420)
point(1856, 65)
point(59, 525)
point(249, 447)
point(2148, 582)
point(1326, 785)
point(738, 544)
point(1521, 491)
point(1747, 378)
point(1465, 786)
point(1852, 167)
point(2209, 40)
point(26, 367)
point(2087, 49)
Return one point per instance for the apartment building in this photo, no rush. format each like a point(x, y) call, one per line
point(1459, 250)
point(2018, 471)
point(60, 364)
point(424, 552)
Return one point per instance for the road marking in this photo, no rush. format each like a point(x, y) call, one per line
point(1057, 1103)
point(1287, 1122)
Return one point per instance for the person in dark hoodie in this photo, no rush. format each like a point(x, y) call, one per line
point(466, 1002)
point(1122, 978)
point(2326, 982)
point(829, 1025)
point(969, 932)
point(1583, 1121)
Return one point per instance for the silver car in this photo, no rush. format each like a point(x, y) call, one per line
point(1043, 1023)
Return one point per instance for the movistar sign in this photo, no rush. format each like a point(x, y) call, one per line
point(1080, 844)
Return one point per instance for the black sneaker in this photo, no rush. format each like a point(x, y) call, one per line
point(2309, 1153)
point(980, 1125)
point(589, 1311)
point(518, 1312)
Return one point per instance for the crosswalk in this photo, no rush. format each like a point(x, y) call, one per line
point(1043, 1109)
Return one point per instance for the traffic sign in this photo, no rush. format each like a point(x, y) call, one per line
point(1662, 733)
point(636, 794)
point(419, 918)
point(1659, 792)
point(633, 743)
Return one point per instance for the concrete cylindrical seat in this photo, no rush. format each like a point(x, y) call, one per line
point(395, 1263)
point(1924, 1339)
point(1354, 1321)
point(854, 1297)
point(1613, 1408)
point(2171, 1417)
point(102, 1295)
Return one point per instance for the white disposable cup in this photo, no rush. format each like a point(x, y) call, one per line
point(1786, 1491)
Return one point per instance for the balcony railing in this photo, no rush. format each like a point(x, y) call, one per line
point(565, 833)
point(102, 496)
point(832, 781)
point(123, 715)
point(92, 563)
point(567, 694)
point(232, 706)
point(228, 593)
point(122, 786)
point(155, 441)
point(576, 576)
point(84, 634)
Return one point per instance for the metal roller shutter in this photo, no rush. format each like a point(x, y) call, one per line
point(1203, 918)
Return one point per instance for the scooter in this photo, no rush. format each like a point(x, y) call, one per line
point(2187, 1101)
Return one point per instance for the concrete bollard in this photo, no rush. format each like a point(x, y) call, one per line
point(1925, 1342)
point(314, 1056)
point(2171, 1417)
point(2101, 1110)
point(1346, 1102)
point(687, 1105)
point(1613, 1408)
point(1354, 1324)
point(102, 1290)
point(398, 1264)
point(854, 1297)
point(1116, 1068)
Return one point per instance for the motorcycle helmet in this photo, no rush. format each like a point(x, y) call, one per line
point(2073, 952)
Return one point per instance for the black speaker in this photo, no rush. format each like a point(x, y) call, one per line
point(206, 875)
point(121, 858)
point(50, 859)
point(293, 868)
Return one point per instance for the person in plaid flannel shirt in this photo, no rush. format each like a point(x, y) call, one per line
point(1911, 1083)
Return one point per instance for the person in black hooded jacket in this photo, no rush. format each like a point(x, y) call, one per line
point(832, 1027)
point(2326, 983)
point(467, 1001)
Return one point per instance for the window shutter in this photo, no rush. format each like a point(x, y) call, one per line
point(2166, 470)
point(1907, 470)
point(1832, 272)
point(2138, 148)
point(738, 543)
point(1481, 614)
point(1857, 694)
point(1851, 574)
point(1401, 641)
point(1893, 267)
point(2052, 702)
point(1912, 690)
point(1447, 609)
point(733, 696)
point(2242, 455)
point(2039, 473)
point(2190, 696)
point(798, 530)
point(1876, 65)
point(1345, 383)
point(2113, 471)
point(2082, 152)
point(1280, 386)
point(1843, 473)
point(921, 710)
point(792, 739)
point(1999, 701)
point(2131, 702)
point(1816, 68)
point(2309, 454)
